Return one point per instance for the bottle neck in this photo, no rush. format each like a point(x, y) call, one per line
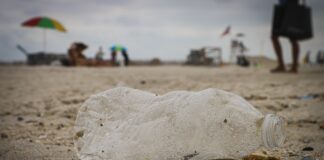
point(272, 131)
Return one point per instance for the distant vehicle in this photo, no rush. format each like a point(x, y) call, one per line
point(42, 58)
point(208, 56)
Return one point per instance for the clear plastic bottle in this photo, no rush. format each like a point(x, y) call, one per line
point(124, 123)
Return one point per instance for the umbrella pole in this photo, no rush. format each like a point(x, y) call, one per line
point(44, 40)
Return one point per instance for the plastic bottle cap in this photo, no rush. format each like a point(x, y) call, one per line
point(273, 134)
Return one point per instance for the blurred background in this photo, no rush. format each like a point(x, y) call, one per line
point(164, 29)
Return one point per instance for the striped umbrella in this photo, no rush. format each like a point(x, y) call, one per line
point(45, 23)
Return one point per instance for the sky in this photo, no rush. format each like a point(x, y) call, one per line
point(166, 29)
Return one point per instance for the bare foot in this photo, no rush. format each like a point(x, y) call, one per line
point(278, 69)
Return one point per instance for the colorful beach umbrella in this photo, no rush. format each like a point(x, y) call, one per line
point(45, 23)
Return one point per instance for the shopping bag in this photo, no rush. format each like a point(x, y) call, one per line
point(297, 22)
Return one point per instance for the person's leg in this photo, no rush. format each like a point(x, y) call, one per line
point(295, 55)
point(126, 59)
point(113, 58)
point(278, 50)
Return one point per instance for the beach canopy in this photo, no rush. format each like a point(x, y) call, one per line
point(44, 22)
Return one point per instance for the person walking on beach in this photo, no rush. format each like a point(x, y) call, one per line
point(285, 24)
point(116, 49)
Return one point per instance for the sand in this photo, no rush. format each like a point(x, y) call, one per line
point(38, 105)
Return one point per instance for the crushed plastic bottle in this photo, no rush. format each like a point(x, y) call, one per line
point(124, 123)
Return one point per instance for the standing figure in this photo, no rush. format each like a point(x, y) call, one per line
point(125, 55)
point(306, 59)
point(275, 40)
point(116, 49)
point(99, 54)
point(320, 58)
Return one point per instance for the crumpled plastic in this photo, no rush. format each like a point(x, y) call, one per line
point(124, 123)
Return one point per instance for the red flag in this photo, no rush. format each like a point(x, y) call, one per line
point(226, 32)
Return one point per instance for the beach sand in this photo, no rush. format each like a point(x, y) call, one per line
point(39, 104)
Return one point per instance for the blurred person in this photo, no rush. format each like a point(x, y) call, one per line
point(113, 57)
point(320, 57)
point(99, 54)
point(77, 58)
point(275, 40)
point(126, 58)
point(306, 59)
point(116, 49)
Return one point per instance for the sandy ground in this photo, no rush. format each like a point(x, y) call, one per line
point(38, 105)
